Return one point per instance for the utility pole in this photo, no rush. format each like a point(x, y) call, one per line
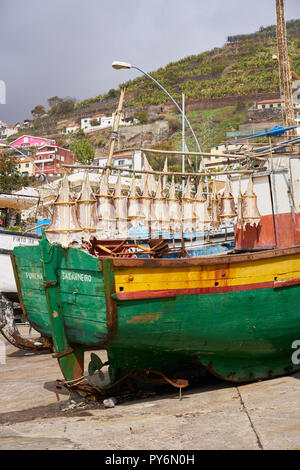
point(284, 66)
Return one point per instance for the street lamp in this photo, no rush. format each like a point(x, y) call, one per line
point(125, 65)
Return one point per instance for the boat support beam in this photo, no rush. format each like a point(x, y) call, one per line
point(70, 357)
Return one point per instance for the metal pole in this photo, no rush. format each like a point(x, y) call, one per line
point(114, 133)
point(177, 106)
point(183, 140)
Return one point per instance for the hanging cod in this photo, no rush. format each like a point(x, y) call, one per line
point(106, 227)
point(133, 209)
point(144, 209)
point(227, 208)
point(64, 228)
point(86, 209)
point(215, 213)
point(165, 178)
point(201, 215)
point(174, 211)
point(249, 211)
point(151, 182)
point(157, 213)
point(187, 210)
point(121, 211)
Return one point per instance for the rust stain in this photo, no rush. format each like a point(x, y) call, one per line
point(146, 318)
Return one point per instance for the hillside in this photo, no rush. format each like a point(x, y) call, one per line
point(243, 66)
point(219, 85)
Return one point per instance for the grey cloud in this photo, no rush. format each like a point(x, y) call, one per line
point(65, 47)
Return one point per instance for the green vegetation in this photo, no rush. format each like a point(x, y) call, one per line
point(210, 126)
point(38, 111)
point(83, 150)
point(141, 116)
point(293, 27)
point(10, 178)
point(60, 106)
point(242, 66)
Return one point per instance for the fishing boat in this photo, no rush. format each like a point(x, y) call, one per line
point(10, 310)
point(157, 310)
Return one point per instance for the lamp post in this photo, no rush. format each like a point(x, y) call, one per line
point(124, 65)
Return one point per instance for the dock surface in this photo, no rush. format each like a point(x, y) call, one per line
point(216, 415)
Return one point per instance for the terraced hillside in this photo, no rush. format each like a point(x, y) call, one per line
point(243, 66)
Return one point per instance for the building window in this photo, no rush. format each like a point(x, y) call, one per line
point(271, 106)
point(121, 162)
point(263, 105)
point(27, 165)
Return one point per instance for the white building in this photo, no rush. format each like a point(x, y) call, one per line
point(270, 104)
point(72, 128)
point(103, 122)
point(6, 131)
point(126, 160)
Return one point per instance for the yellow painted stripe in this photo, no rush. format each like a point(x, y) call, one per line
point(251, 272)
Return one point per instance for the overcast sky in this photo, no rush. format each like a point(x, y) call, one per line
point(66, 47)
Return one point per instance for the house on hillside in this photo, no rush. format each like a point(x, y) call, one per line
point(3, 127)
point(71, 128)
point(103, 122)
point(31, 141)
point(50, 158)
point(7, 131)
point(26, 166)
point(270, 104)
point(126, 160)
point(222, 148)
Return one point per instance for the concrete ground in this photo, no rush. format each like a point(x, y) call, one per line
point(217, 415)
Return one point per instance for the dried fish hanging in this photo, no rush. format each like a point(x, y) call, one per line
point(121, 211)
point(144, 208)
point(151, 182)
point(227, 210)
point(159, 224)
point(187, 210)
point(215, 214)
point(201, 215)
point(250, 212)
point(133, 209)
point(174, 211)
point(64, 228)
point(239, 222)
point(106, 227)
point(165, 178)
point(86, 209)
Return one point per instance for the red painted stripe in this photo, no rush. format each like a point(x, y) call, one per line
point(156, 294)
point(147, 294)
point(286, 283)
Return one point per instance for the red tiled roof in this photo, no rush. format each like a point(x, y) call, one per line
point(279, 100)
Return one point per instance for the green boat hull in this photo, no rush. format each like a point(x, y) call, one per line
point(238, 333)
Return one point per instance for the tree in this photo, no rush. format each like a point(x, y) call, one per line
point(10, 178)
point(38, 111)
point(112, 93)
point(83, 150)
point(61, 105)
point(141, 116)
point(53, 101)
